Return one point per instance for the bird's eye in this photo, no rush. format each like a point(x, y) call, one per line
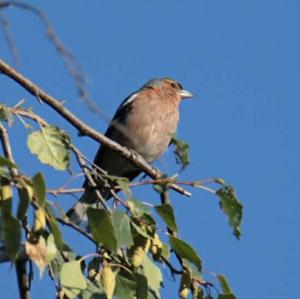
point(174, 85)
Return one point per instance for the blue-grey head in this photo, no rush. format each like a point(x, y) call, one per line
point(169, 86)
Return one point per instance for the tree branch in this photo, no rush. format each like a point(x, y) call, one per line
point(83, 128)
point(20, 263)
point(29, 114)
point(24, 289)
point(9, 39)
point(70, 63)
point(90, 179)
point(6, 145)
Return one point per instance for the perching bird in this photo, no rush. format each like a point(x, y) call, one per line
point(144, 122)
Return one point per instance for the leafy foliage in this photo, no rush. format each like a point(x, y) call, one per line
point(166, 212)
point(122, 228)
point(232, 207)
point(131, 248)
point(72, 279)
point(182, 152)
point(6, 163)
point(101, 225)
point(185, 251)
point(51, 146)
point(6, 115)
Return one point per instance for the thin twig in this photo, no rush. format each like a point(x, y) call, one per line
point(171, 267)
point(89, 177)
point(9, 39)
point(52, 277)
point(23, 280)
point(170, 181)
point(197, 184)
point(31, 115)
point(66, 222)
point(59, 191)
point(24, 290)
point(83, 128)
point(70, 63)
point(6, 147)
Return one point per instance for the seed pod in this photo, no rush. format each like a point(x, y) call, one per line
point(29, 191)
point(147, 246)
point(108, 280)
point(138, 256)
point(196, 291)
point(185, 284)
point(156, 245)
point(5, 192)
point(139, 253)
point(40, 220)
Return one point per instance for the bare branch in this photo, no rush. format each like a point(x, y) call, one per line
point(195, 184)
point(65, 221)
point(90, 179)
point(31, 115)
point(56, 192)
point(9, 39)
point(23, 281)
point(83, 128)
point(72, 68)
point(6, 144)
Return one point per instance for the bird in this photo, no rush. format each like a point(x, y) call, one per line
point(145, 122)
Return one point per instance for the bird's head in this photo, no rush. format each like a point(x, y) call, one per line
point(169, 87)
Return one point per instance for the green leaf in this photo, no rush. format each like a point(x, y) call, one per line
point(71, 279)
point(137, 230)
point(152, 295)
point(7, 163)
point(51, 249)
point(59, 242)
point(60, 258)
point(100, 223)
point(224, 284)
point(142, 286)
point(125, 285)
point(93, 291)
point(11, 234)
point(124, 185)
point(232, 207)
point(121, 223)
point(226, 296)
point(200, 295)
point(193, 270)
point(50, 145)
point(5, 198)
point(39, 188)
point(181, 152)
point(6, 115)
point(185, 251)
point(166, 212)
point(24, 199)
point(165, 252)
point(138, 208)
point(153, 275)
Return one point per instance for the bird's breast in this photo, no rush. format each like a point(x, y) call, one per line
point(152, 134)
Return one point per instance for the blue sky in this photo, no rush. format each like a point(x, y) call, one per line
point(241, 60)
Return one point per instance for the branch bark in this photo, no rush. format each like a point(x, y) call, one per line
point(83, 128)
point(23, 282)
point(20, 263)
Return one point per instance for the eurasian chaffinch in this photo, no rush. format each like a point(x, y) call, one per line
point(144, 122)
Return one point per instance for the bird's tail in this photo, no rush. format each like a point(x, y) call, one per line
point(77, 214)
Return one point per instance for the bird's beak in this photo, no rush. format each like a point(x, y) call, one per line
point(185, 94)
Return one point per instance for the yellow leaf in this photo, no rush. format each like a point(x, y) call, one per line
point(37, 252)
